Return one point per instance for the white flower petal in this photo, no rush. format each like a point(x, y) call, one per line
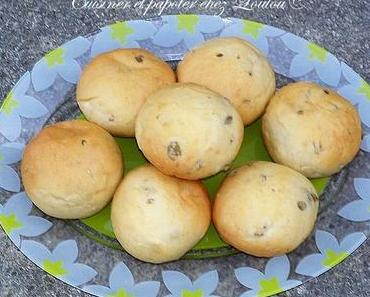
point(290, 284)
point(356, 211)
point(19, 203)
point(9, 155)
point(352, 241)
point(300, 66)
point(325, 240)
point(251, 293)
point(362, 187)
point(364, 111)
point(210, 24)
point(295, 43)
point(365, 145)
point(103, 43)
point(260, 42)
point(311, 265)
point(207, 282)
point(15, 238)
point(97, 290)
point(329, 72)
point(10, 125)
point(350, 75)
point(142, 30)
point(31, 108)
point(249, 277)
point(192, 40)
point(234, 30)
point(70, 71)
point(351, 94)
point(66, 250)
point(78, 274)
point(34, 226)
point(121, 277)
point(76, 47)
point(146, 289)
point(35, 251)
point(43, 76)
point(9, 179)
point(271, 31)
point(22, 85)
point(278, 267)
point(176, 281)
point(167, 36)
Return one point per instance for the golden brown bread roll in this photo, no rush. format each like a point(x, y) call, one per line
point(71, 169)
point(265, 209)
point(234, 68)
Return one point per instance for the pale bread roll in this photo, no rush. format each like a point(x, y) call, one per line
point(189, 131)
point(158, 218)
point(311, 129)
point(114, 86)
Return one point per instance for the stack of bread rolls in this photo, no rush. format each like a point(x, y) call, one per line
point(189, 126)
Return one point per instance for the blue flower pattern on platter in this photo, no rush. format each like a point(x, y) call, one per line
point(15, 215)
point(62, 61)
point(16, 221)
point(358, 210)
point(310, 56)
point(273, 281)
point(187, 28)
point(365, 145)
point(331, 252)
point(18, 104)
point(10, 153)
point(254, 32)
point(358, 92)
point(122, 284)
point(122, 35)
point(180, 285)
point(61, 262)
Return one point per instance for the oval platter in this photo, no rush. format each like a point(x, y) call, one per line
point(85, 253)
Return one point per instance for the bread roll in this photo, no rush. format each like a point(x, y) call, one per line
point(114, 86)
point(234, 68)
point(70, 170)
point(158, 218)
point(311, 129)
point(189, 131)
point(265, 209)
